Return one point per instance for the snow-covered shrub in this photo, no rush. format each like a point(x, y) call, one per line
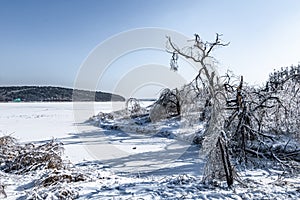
point(167, 105)
point(192, 103)
point(180, 180)
point(284, 117)
point(158, 112)
point(263, 118)
point(186, 102)
point(57, 192)
point(104, 116)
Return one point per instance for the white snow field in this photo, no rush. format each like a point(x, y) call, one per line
point(119, 164)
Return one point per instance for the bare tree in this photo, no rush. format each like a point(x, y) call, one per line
point(200, 53)
point(133, 106)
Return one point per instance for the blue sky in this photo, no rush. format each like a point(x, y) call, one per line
point(45, 42)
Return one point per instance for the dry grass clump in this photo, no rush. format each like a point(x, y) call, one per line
point(8, 151)
point(2, 191)
point(57, 177)
point(7, 140)
point(19, 159)
point(54, 184)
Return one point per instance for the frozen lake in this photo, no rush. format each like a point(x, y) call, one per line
point(39, 122)
point(33, 122)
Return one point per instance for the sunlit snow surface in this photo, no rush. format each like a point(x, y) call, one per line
point(124, 165)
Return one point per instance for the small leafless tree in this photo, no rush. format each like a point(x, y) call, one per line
point(133, 106)
point(200, 53)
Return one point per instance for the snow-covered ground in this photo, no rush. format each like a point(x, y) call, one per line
point(120, 164)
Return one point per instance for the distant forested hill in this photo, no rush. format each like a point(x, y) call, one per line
point(49, 93)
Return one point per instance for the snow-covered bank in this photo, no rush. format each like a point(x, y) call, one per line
point(99, 182)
